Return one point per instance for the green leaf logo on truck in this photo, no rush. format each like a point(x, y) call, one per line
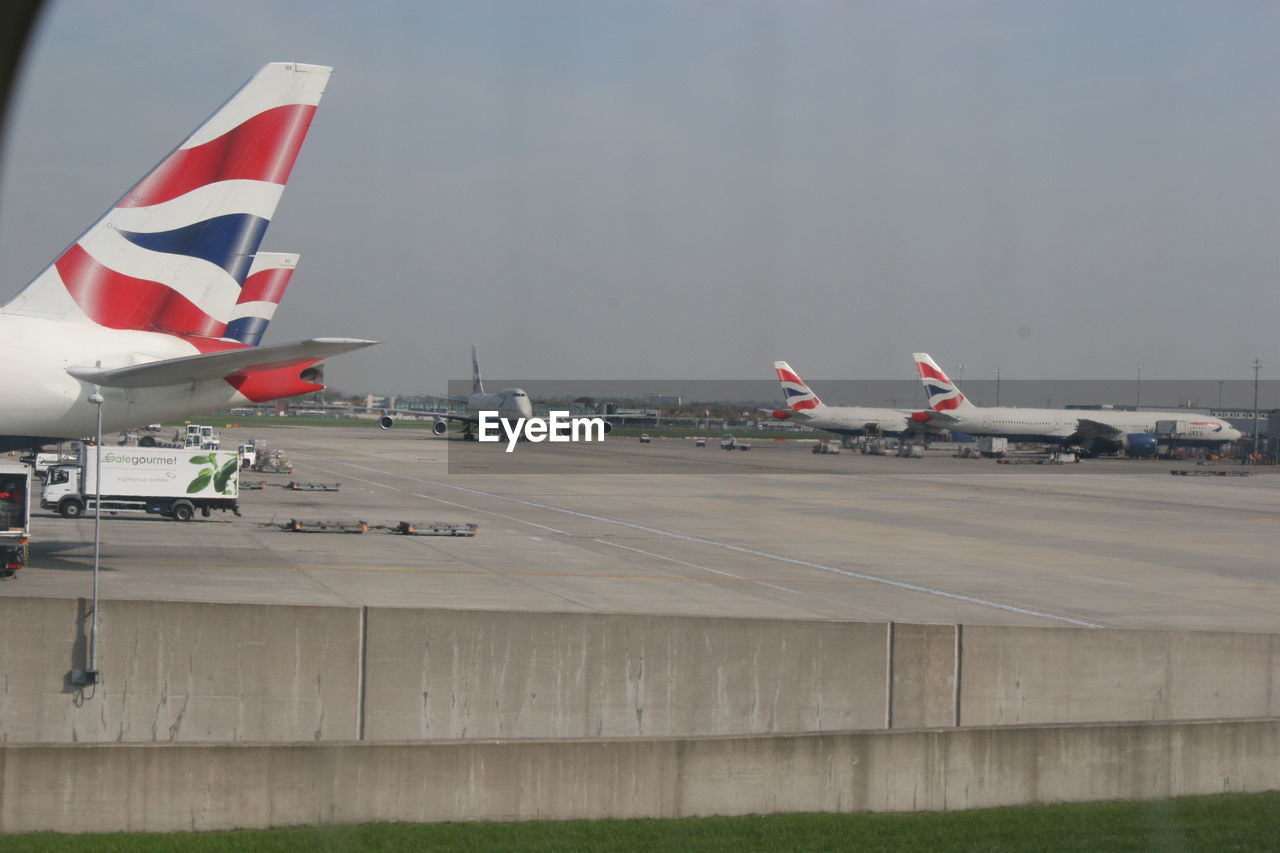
point(220, 476)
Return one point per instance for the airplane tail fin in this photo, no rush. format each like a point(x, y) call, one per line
point(260, 297)
point(176, 251)
point(944, 396)
point(799, 396)
point(477, 384)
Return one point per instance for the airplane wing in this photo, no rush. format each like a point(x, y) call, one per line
point(439, 414)
point(462, 400)
point(217, 365)
point(443, 416)
point(791, 413)
point(937, 423)
point(1087, 429)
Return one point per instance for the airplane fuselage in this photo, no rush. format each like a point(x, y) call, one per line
point(1060, 425)
point(39, 399)
point(852, 420)
point(511, 403)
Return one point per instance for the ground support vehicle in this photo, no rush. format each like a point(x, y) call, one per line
point(249, 452)
point(993, 447)
point(15, 517)
point(175, 483)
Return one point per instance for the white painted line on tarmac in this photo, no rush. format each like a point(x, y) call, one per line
point(690, 565)
point(912, 587)
point(380, 485)
point(490, 512)
point(862, 607)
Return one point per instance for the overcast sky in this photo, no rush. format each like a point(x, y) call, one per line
point(651, 189)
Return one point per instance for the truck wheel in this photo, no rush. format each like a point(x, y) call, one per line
point(183, 511)
point(71, 509)
point(147, 441)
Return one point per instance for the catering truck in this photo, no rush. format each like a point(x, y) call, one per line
point(993, 446)
point(170, 482)
point(15, 516)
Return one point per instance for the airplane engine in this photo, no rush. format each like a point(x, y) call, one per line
point(1141, 445)
point(386, 422)
point(781, 414)
point(440, 427)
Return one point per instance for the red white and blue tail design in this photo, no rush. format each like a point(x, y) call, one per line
point(178, 253)
point(944, 396)
point(799, 397)
point(260, 297)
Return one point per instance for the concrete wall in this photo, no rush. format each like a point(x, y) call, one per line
point(924, 676)
point(458, 674)
point(1042, 675)
point(157, 787)
point(177, 671)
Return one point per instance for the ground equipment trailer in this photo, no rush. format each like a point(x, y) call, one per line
point(15, 517)
point(174, 482)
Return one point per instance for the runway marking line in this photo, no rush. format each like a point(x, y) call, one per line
point(489, 573)
point(740, 578)
point(670, 534)
point(491, 512)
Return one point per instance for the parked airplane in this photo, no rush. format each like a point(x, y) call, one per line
point(1098, 431)
point(157, 307)
point(510, 403)
point(804, 407)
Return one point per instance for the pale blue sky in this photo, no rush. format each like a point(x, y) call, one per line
point(660, 189)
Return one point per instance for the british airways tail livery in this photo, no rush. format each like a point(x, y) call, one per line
point(799, 396)
point(944, 396)
point(260, 296)
point(161, 303)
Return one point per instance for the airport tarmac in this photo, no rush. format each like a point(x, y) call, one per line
point(669, 528)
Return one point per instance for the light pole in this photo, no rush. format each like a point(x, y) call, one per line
point(998, 386)
point(1137, 400)
point(1257, 366)
point(89, 675)
point(961, 379)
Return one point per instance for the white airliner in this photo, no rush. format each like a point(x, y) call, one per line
point(509, 403)
point(1098, 431)
point(158, 306)
point(804, 407)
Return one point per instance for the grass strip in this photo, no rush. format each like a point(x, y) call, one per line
point(1228, 822)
